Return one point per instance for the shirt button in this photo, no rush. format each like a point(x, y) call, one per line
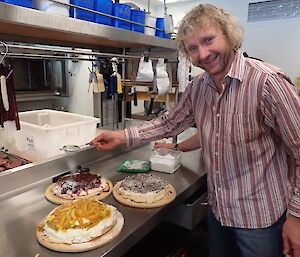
point(217, 135)
point(216, 153)
point(218, 115)
point(219, 189)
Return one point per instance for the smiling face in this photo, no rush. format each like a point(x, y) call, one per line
point(209, 49)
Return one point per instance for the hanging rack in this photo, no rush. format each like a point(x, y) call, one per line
point(49, 52)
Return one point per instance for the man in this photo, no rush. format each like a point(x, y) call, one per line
point(247, 115)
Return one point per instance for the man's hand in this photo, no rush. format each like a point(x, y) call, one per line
point(108, 140)
point(291, 236)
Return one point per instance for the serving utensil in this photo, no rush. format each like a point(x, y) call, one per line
point(74, 148)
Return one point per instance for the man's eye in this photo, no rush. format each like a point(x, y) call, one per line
point(192, 49)
point(209, 40)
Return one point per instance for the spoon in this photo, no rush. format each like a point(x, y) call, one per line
point(74, 148)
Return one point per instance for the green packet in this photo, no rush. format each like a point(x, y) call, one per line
point(135, 166)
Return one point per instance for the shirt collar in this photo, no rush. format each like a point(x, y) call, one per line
point(237, 68)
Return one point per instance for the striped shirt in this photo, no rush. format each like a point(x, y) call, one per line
point(250, 137)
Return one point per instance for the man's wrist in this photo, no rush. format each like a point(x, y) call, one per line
point(176, 147)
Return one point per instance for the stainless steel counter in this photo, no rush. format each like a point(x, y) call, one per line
point(23, 203)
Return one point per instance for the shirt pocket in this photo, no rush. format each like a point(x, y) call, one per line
point(239, 129)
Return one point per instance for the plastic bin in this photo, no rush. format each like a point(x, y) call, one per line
point(165, 160)
point(51, 7)
point(44, 132)
point(167, 36)
point(160, 25)
point(150, 21)
point(122, 11)
point(25, 3)
point(138, 16)
point(81, 14)
point(104, 6)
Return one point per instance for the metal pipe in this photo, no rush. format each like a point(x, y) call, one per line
point(63, 53)
point(124, 91)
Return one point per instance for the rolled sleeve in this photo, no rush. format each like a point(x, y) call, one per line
point(132, 136)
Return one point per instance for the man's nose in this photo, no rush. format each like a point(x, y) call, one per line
point(202, 53)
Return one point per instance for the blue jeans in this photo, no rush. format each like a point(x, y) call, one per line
point(239, 242)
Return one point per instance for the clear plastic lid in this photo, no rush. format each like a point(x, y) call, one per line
point(166, 153)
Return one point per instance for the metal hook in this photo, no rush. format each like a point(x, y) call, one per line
point(10, 72)
point(146, 55)
point(6, 51)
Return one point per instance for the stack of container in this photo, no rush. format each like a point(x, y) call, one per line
point(138, 16)
point(25, 3)
point(151, 22)
point(160, 24)
point(103, 6)
point(82, 14)
point(121, 11)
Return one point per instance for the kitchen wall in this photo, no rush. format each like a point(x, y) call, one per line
point(80, 98)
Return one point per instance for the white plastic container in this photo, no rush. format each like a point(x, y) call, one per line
point(165, 160)
point(44, 132)
point(51, 7)
point(150, 21)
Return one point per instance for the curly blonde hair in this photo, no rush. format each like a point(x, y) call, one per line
point(204, 14)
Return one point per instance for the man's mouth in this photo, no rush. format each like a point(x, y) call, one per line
point(210, 60)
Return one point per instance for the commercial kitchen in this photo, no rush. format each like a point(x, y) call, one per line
point(62, 57)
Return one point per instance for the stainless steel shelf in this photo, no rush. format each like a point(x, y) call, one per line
point(29, 25)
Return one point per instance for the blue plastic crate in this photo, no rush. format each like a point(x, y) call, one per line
point(160, 24)
point(167, 36)
point(25, 3)
point(81, 14)
point(138, 16)
point(104, 6)
point(122, 11)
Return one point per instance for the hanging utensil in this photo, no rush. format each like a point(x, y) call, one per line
point(100, 85)
point(92, 79)
point(4, 93)
point(119, 84)
point(133, 93)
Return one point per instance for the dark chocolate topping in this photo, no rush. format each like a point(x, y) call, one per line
point(144, 183)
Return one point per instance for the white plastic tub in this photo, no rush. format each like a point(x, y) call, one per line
point(44, 132)
point(51, 7)
point(150, 21)
point(165, 160)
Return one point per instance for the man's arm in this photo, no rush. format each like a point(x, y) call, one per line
point(281, 107)
point(189, 144)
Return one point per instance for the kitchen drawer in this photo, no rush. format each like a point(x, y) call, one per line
point(192, 211)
